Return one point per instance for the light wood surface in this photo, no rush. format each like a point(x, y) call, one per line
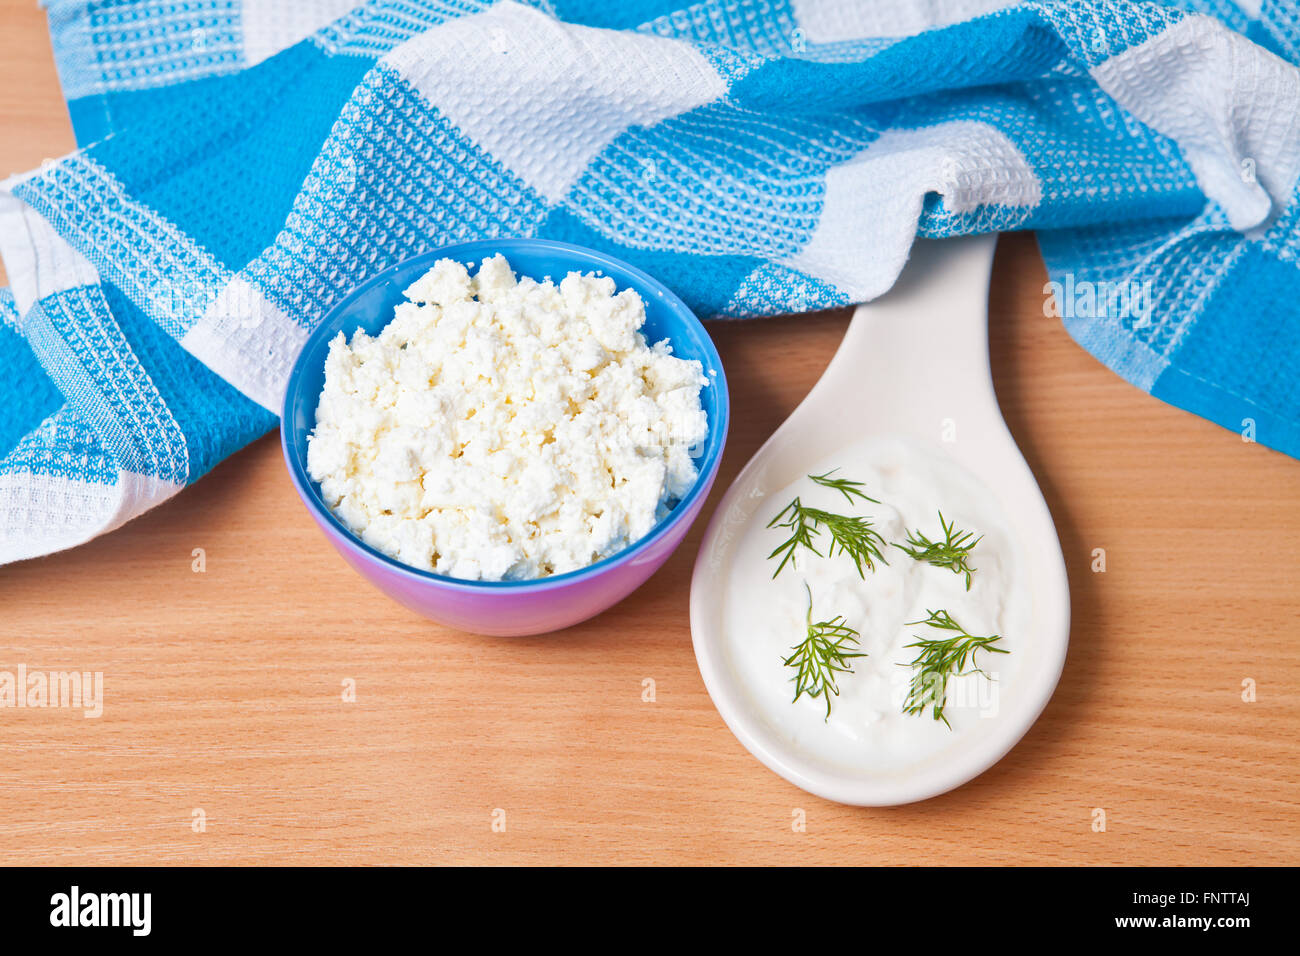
point(224, 689)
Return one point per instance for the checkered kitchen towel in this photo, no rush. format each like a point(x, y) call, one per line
point(244, 163)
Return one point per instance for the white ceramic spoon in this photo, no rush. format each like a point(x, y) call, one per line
point(932, 326)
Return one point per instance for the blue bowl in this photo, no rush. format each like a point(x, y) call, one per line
point(507, 607)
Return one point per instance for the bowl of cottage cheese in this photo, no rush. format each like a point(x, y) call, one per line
point(507, 436)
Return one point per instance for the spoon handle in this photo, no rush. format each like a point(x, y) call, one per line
point(916, 359)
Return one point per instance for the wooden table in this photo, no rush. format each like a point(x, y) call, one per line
point(224, 690)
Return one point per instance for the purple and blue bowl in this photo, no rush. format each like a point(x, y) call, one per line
point(507, 607)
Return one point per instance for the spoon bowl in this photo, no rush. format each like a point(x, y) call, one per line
point(932, 327)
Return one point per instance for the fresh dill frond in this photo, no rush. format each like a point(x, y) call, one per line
point(853, 536)
point(845, 487)
point(821, 655)
point(953, 552)
point(939, 659)
point(850, 534)
point(793, 516)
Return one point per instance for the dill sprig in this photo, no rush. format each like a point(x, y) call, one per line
point(801, 534)
point(953, 552)
point(821, 655)
point(845, 487)
point(937, 660)
point(850, 534)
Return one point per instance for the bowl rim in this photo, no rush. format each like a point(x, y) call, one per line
point(466, 252)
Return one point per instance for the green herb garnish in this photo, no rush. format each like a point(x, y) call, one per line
point(852, 535)
point(845, 487)
point(939, 659)
point(953, 552)
point(821, 655)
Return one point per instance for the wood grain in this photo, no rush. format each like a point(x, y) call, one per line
point(224, 688)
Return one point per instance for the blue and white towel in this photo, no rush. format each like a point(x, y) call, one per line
point(244, 163)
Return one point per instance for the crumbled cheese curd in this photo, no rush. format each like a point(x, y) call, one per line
point(505, 429)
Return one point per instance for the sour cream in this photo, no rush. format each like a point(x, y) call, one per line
point(766, 618)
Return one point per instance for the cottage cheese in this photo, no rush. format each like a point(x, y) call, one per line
point(502, 428)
